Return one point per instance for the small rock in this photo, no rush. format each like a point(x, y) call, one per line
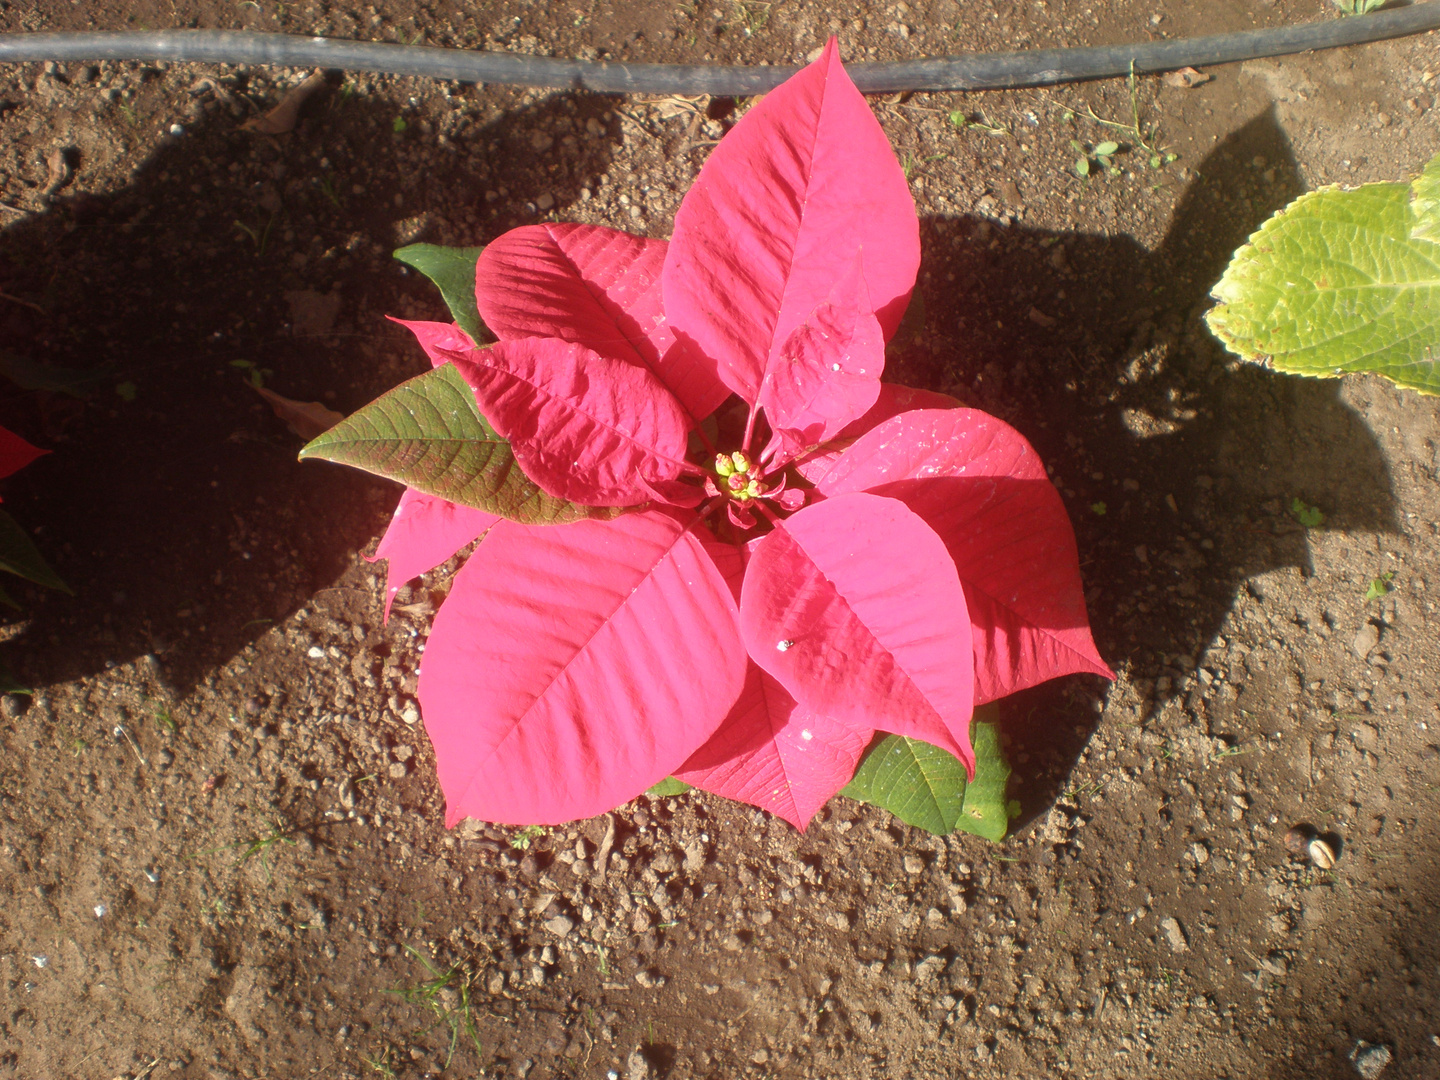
point(694, 857)
point(1174, 934)
point(544, 201)
point(929, 968)
point(1200, 852)
point(914, 864)
point(560, 925)
point(398, 770)
point(1366, 639)
point(1297, 840)
point(540, 142)
point(636, 1067)
point(1370, 1061)
point(315, 652)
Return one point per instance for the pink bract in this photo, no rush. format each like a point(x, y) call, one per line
point(862, 558)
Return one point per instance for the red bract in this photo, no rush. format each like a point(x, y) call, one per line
point(852, 558)
point(15, 453)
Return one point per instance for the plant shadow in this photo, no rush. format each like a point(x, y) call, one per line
point(172, 502)
point(1179, 468)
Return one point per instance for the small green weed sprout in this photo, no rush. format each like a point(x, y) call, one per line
point(262, 846)
point(447, 995)
point(254, 374)
point(522, 840)
point(1102, 154)
point(960, 121)
point(1141, 135)
point(1358, 7)
point(1380, 586)
point(1309, 516)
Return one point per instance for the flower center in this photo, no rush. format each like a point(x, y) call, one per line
point(739, 477)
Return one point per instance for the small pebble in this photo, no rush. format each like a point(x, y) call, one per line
point(1370, 1061)
point(1174, 934)
point(560, 925)
point(315, 652)
point(100, 910)
point(1321, 854)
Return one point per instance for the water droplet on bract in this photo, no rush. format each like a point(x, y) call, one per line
point(806, 735)
point(834, 367)
point(784, 645)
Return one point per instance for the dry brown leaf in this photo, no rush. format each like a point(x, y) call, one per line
point(679, 105)
point(1186, 78)
point(284, 116)
point(305, 418)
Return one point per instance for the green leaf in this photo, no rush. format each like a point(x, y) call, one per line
point(1106, 149)
point(925, 786)
point(28, 375)
point(453, 272)
point(667, 787)
point(1082, 166)
point(429, 434)
point(1425, 202)
point(19, 555)
point(1341, 281)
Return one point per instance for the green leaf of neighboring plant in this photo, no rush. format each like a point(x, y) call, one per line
point(1082, 166)
point(925, 786)
point(19, 555)
point(429, 434)
point(668, 786)
point(1341, 281)
point(11, 685)
point(1307, 515)
point(1358, 7)
point(1107, 149)
point(453, 272)
point(1380, 586)
point(28, 375)
point(1425, 202)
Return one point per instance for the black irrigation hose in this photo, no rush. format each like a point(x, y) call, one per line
point(984, 71)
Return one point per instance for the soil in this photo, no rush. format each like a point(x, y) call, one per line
point(221, 841)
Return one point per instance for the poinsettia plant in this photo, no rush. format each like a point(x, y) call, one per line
point(716, 546)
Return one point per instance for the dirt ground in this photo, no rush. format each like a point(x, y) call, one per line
point(251, 878)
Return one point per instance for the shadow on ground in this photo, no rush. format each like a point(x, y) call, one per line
point(1179, 469)
point(178, 512)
